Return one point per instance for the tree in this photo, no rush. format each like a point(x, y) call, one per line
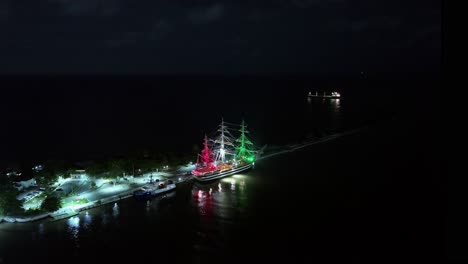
point(58, 167)
point(51, 204)
point(147, 165)
point(52, 170)
point(46, 177)
point(117, 168)
point(97, 169)
point(8, 201)
point(3, 179)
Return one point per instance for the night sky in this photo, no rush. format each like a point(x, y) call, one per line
point(219, 37)
point(92, 76)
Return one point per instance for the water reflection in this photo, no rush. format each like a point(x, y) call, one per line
point(105, 219)
point(220, 200)
point(73, 222)
point(148, 206)
point(41, 229)
point(323, 114)
point(335, 112)
point(336, 105)
point(242, 185)
point(115, 210)
point(87, 220)
point(74, 229)
point(204, 201)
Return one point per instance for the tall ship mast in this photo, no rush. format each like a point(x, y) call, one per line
point(224, 144)
point(226, 155)
point(245, 149)
point(205, 160)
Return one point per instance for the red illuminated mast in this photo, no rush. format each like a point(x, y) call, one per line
point(205, 161)
point(206, 154)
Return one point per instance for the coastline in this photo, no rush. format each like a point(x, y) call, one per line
point(70, 212)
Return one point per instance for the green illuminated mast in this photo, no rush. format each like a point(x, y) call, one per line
point(245, 150)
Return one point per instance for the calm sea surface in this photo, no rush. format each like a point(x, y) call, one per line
point(347, 200)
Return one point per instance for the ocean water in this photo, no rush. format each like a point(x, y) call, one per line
point(368, 197)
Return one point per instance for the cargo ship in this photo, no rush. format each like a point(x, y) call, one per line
point(333, 95)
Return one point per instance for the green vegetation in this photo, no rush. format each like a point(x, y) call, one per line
point(53, 169)
point(97, 169)
point(8, 202)
point(113, 169)
point(33, 212)
point(51, 204)
point(36, 200)
point(76, 202)
point(119, 167)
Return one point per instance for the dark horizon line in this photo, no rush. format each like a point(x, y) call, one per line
point(217, 76)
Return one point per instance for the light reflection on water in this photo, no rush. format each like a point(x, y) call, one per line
point(336, 105)
point(242, 185)
point(87, 220)
point(105, 219)
point(324, 114)
point(41, 229)
point(148, 206)
point(335, 114)
point(115, 210)
point(73, 222)
point(224, 202)
point(216, 207)
point(220, 199)
point(74, 229)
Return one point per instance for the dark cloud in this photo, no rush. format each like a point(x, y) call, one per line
point(220, 36)
point(89, 7)
point(379, 23)
point(157, 32)
point(125, 38)
point(3, 11)
point(160, 29)
point(207, 14)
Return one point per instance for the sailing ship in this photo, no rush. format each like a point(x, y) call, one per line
point(224, 155)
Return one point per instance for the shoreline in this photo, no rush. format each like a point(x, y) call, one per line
point(65, 213)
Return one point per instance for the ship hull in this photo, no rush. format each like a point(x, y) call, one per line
point(219, 175)
point(326, 96)
point(155, 192)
